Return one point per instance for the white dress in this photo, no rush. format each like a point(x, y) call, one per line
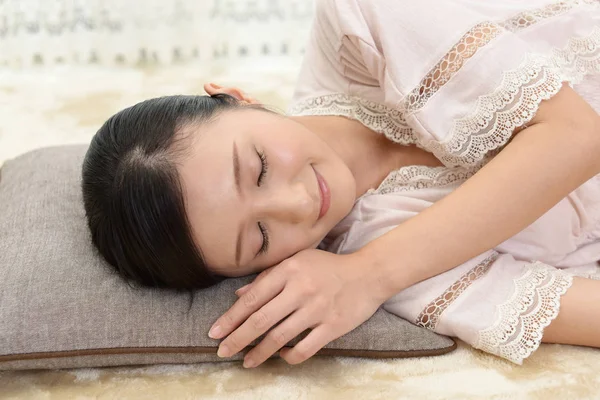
point(456, 77)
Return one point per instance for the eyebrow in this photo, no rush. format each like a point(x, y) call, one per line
point(236, 175)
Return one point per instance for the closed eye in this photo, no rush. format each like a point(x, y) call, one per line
point(261, 177)
point(265, 245)
point(264, 167)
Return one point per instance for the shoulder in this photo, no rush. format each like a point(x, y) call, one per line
point(345, 17)
point(333, 64)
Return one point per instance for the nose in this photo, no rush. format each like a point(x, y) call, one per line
point(289, 204)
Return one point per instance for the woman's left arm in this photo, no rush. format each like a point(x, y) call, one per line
point(555, 154)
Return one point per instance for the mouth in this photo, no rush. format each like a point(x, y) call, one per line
point(324, 194)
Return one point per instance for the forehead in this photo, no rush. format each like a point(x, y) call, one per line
point(209, 192)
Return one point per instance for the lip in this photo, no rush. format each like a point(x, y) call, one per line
point(324, 194)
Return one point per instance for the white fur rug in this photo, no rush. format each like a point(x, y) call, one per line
point(554, 372)
point(67, 105)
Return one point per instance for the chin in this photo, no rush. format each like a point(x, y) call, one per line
point(342, 210)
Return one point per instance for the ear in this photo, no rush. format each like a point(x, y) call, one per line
point(213, 89)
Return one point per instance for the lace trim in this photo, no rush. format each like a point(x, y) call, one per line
point(516, 101)
point(595, 276)
point(416, 177)
point(477, 37)
point(469, 44)
point(430, 315)
point(520, 324)
point(532, 17)
point(375, 116)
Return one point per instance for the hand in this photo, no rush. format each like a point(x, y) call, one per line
point(331, 294)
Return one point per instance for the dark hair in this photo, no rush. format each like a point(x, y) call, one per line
point(133, 195)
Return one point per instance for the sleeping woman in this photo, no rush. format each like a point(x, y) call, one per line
point(440, 159)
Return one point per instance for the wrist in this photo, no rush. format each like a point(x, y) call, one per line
point(385, 278)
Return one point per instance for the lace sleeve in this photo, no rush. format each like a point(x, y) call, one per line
point(465, 77)
point(496, 304)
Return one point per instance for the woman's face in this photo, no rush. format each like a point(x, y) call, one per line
point(256, 185)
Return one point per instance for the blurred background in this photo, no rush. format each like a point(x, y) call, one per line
point(67, 65)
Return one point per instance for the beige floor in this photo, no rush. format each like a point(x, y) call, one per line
point(66, 105)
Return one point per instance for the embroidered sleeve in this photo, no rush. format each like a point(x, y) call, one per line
point(466, 77)
point(513, 301)
point(520, 320)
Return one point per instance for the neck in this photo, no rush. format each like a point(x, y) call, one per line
point(369, 155)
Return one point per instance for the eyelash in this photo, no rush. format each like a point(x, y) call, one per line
point(265, 245)
point(264, 167)
point(263, 172)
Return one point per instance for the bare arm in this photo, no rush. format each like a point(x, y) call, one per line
point(578, 321)
point(558, 152)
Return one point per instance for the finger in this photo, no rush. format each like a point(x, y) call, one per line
point(258, 278)
point(262, 275)
point(283, 351)
point(309, 346)
point(261, 292)
point(243, 289)
point(279, 336)
point(258, 323)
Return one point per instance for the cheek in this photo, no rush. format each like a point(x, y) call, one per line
point(289, 242)
point(292, 153)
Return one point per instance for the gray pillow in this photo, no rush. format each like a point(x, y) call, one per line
point(62, 306)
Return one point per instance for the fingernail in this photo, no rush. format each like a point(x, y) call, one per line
point(223, 351)
point(215, 332)
point(249, 363)
point(215, 86)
